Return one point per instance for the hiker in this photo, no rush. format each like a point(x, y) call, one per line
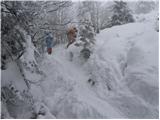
point(71, 35)
point(49, 42)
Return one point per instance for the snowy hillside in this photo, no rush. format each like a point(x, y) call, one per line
point(120, 80)
point(124, 66)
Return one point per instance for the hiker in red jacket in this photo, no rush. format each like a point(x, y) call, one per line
point(71, 35)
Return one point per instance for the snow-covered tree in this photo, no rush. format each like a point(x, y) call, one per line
point(86, 36)
point(13, 42)
point(34, 18)
point(105, 14)
point(144, 7)
point(23, 26)
point(121, 14)
point(86, 29)
point(90, 10)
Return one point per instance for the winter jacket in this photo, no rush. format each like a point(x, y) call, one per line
point(49, 40)
point(71, 33)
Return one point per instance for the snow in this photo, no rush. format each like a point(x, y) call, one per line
point(78, 87)
point(12, 75)
point(124, 66)
point(125, 57)
point(69, 94)
point(28, 58)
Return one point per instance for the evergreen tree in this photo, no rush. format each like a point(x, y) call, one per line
point(86, 36)
point(86, 29)
point(145, 7)
point(121, 14)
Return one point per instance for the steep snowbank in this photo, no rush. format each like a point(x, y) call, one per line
point(132, 50)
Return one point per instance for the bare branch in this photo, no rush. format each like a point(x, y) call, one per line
point(60, 6)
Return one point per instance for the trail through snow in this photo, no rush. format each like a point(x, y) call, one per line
point(124, 65)
point(81, 87)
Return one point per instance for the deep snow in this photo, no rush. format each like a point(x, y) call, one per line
point(124, 66)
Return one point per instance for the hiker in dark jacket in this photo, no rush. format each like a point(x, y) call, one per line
point(49, 42)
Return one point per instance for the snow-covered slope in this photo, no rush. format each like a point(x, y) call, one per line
point(68, 94)
point(124, 66)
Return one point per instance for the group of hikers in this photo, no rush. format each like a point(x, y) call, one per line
point(71, 36)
